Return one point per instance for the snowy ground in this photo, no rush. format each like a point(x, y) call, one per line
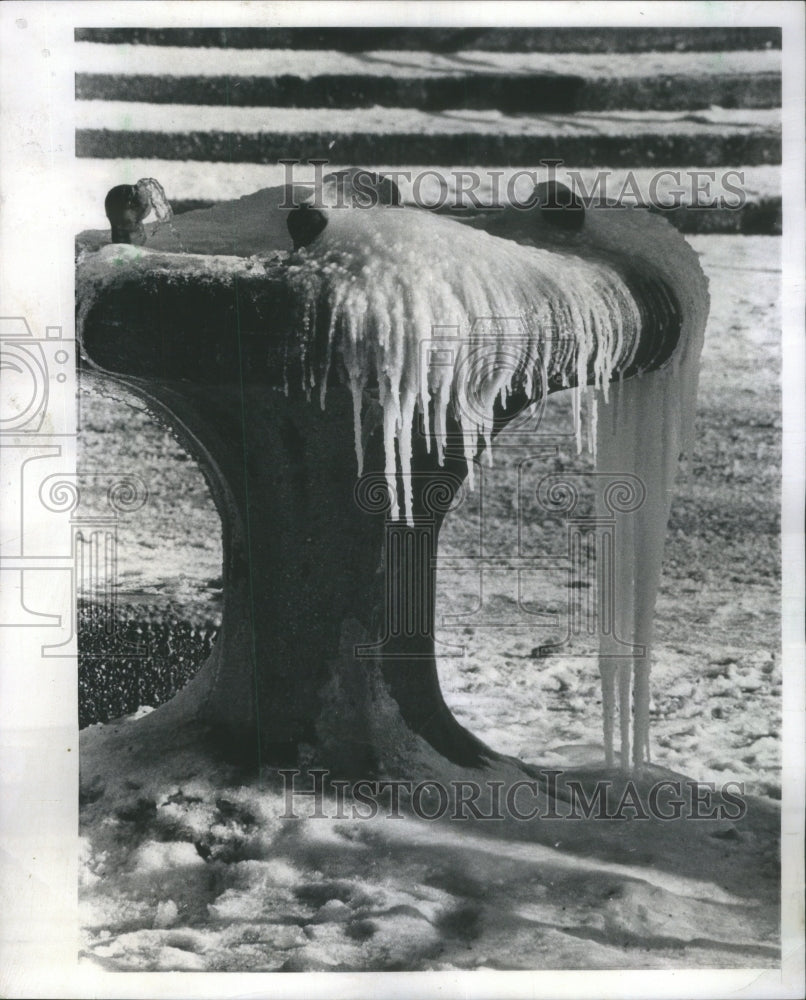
point(187, 867)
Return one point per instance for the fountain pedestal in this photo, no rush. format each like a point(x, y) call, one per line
point(328, 606)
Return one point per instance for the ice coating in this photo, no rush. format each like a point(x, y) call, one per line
point(154, 194)
point(643, 430)
point(385, 278)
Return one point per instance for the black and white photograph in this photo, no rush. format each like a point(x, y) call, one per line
point(403, 489)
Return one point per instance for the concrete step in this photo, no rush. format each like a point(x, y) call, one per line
point(509, 94)
point(405, 135)
point(511, 82)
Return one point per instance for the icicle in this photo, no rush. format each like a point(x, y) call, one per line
point(442, 398)
point(608, 672)
point(391, 420)
point(641, 431)
point(576, 411)
point(408, 400)
point(357, 385)
point(593, 421)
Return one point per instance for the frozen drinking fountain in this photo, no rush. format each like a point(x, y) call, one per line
point(314, 360)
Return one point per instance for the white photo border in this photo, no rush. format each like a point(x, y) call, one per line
point(38, 710)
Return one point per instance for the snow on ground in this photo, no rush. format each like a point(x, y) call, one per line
point(187, 866)
point(159, 60)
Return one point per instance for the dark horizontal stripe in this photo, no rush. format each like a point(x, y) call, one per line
point(760, 218)
point(548, 93)
point(447, 39)
point(399, 149)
